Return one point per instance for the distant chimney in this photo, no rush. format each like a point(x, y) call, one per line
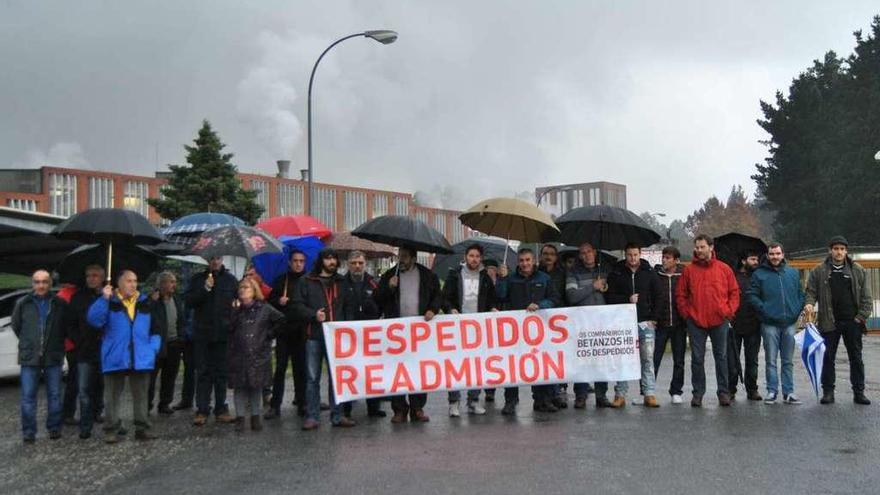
point(283, 168)
point(304, 174)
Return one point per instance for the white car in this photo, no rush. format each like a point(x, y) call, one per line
point(9, 367)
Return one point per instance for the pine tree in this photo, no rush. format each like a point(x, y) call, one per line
point(207, 183)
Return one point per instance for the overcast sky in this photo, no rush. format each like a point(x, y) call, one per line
point(492, 97)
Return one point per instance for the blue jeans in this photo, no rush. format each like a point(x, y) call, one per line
point(698, 336)
point(30, 384)
point(315, 355)
point(779, 340)
point(87, 381)
point(646, 355)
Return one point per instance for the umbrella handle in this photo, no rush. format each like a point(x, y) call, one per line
point(109, 262)
point(506, 248)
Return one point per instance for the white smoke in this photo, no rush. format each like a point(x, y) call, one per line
point(267, 98)
point(60, 154)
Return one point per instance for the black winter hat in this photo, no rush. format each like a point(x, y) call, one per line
point(838, 239)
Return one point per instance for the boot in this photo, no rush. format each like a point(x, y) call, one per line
point(345, 422)
point(399, 417)
point(273, 413)
point(651, 401)
point(697, 401)
point(859, 398)
point(256, 423)
point(827, 397)
point(724, 399)
point(619, 402)
point(581, 402)
point(418, 416)
point(601, 402)
point(239, 424)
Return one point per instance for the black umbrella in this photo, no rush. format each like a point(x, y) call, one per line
point(108, 226)
point(605, 227)
point(732, 247)
point(401, 231)
point(492, 249)
point(235, 240)
point(605, 258)
point(24, 250)
point(141, 260)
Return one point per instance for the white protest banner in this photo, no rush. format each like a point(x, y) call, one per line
point(458, 352)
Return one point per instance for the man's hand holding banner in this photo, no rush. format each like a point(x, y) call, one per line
point(483, 350)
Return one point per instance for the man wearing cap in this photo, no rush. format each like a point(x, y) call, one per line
point(745, 334)
point(839, 286)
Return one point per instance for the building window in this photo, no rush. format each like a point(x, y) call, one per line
point(291, 200)
point(325, 206)
point(401, 206)
point(422, 215)
point(355, 209)
point(553, 198)
point(440, 223)
point(101, 192)
point(262, 189)
point(62, 194)
point(136, 194)
point(595, 196)
point(380, 205)
point(22, 204)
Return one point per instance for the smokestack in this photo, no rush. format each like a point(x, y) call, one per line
point(304, 174)
point(283, 168)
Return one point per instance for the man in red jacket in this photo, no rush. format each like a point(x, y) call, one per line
point(707, 297)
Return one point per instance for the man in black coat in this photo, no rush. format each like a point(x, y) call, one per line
point(670, 327)
point(468, 289)
point(408, 289)
point(290, 345)
point(361, 285)
point(210, 295)
point(322, 295)
point(87, 347)
point(746, 334)
point(633, 281)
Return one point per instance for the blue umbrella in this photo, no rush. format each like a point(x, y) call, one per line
point(272, 265)
point(196, 223)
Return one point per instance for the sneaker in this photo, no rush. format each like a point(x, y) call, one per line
point(859, 398)
point(770, 399)
point(827, 397)
point(509, 408)
point(476, 408)
point(651, 401)
point(638, 400)
point(454, 410)
point(677, 399)
point(791, 399)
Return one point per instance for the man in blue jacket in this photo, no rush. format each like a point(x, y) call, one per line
point(778, 298)
point(128, 352)
point(531, 290)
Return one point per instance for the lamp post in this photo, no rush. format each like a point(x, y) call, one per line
point(382, 36)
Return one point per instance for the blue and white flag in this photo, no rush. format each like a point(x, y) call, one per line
point(813, 353)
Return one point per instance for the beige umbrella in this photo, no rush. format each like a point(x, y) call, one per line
point(345, 243)
point(511, 218)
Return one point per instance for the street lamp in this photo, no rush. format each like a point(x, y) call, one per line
point(385, 37)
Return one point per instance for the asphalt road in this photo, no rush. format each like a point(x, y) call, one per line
point(748, 448)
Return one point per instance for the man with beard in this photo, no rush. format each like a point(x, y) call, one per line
point(408, 289)
point(671, 327)
point(745, 333)
point(290, 345)
point(322, 295)
point(362, 285)
point(468, 289)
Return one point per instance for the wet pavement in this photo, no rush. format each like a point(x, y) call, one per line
point(748, 448)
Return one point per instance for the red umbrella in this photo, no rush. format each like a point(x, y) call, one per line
point(294, 225)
